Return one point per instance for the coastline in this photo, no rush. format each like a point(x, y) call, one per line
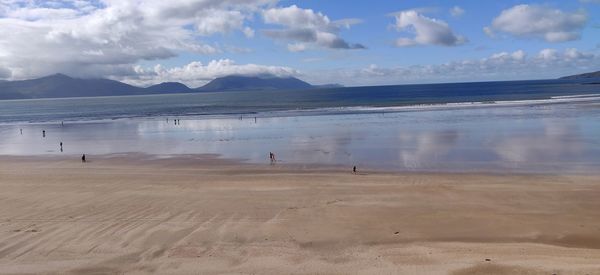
point(315, 111)
point(203, 214)
point(209, 160)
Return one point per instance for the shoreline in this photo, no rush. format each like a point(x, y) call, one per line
point(554, 139)
point(181, 216)
point(215, 160)
point(331, 111)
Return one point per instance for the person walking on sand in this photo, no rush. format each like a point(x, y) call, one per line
point(61, 148)
point(354, 169)
point(43, 133)
point(21, 131)
point(272, 157)
point(83, 158)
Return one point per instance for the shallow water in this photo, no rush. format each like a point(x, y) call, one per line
point(543, 138)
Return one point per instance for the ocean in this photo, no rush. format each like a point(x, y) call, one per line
point(521, 126)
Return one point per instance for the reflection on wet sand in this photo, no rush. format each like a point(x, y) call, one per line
point(421, 150)
point(549, 138)
point(552, 145)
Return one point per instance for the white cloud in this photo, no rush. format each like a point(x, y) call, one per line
point(428, 31)
point(548, 54)
point(457, 11)
point(89, 39)
point(5, 73)
point(248, 32)
point(306, 28)
point(293, 16)
point(196, 74)
point(347, 23)
point(505, 56)
point(547, 63)
point(574, 54)
point(552, 25)
point(220, 21)
point(297, 47)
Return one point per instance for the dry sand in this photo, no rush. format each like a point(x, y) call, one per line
point(178, 216)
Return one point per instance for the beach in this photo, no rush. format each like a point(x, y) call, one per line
point(299, 137)
point(482, 189)
point(200, 214)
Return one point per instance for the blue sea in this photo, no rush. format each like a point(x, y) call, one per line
point(550, 126)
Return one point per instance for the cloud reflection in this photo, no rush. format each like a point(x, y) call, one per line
point(423, 150)
point(556, 142)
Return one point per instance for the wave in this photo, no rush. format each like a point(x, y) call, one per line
point(576, 96)
point(435, 106)
point(210, 112)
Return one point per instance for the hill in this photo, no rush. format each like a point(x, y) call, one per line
point(60, 85)
point(583, 76)
point(240, 83)
point(168, 87)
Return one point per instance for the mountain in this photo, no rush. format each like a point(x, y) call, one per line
point(241, 83)
point(60, 85)
point(583, 76)
point(168, 87)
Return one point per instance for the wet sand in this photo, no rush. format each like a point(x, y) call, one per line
point(559, 138)
point(202, 215)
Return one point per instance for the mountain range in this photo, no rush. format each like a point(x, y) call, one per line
point(60, 85)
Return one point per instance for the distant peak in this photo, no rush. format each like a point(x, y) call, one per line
point(259, 76)
point(59, 75)
point(169, 83)
point(256, 82)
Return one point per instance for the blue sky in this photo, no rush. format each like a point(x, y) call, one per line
point(348, 42)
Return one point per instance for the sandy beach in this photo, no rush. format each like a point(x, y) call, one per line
point(201, 215)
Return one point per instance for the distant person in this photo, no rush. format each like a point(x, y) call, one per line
point(271, 157)
point(62, 123)
point(43, 133)
point(354, 169)
point(61, 148)
point(21, 131)
point(83, 158)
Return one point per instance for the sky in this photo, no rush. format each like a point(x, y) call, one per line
point(353, 43)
